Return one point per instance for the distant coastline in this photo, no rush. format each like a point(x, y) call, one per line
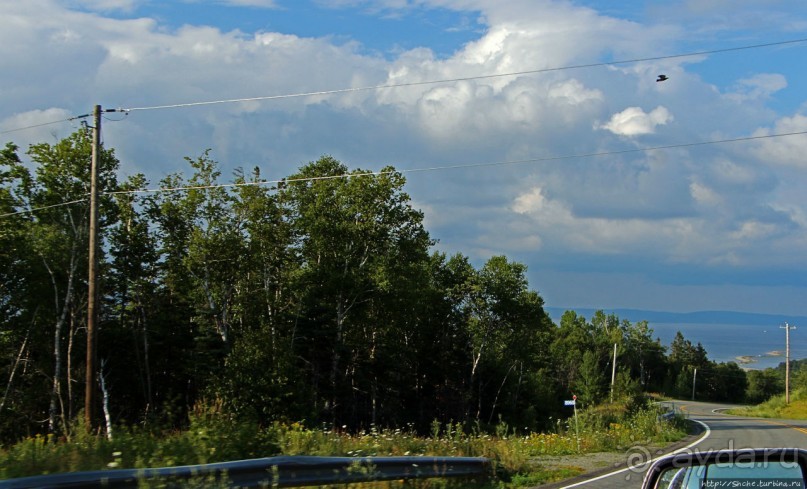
point(757, 344)
point(748, 359)
point(697, 317)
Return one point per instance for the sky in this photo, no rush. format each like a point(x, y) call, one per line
point(552, 165)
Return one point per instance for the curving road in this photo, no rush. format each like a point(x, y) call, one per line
point(722, 432)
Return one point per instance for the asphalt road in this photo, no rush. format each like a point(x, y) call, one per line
point(721, 432)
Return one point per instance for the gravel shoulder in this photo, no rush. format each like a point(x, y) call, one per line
point(589, 462)
point(599, 463)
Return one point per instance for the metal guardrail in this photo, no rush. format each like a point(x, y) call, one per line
point(667, 416)
point(669, 413)
point(296, 471)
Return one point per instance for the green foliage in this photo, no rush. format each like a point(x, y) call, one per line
point(778, 407)
point(319, 298)
point(591, 380)
point(725, 382)
point(43, 283)
point(767, 389)
point(213, 435)
point(764, 384)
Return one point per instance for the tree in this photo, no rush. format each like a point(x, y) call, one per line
point(215, 247)
point(17, 333)
point(684, 353)
point(763, 384)
point(59, 238)
point(202, 246)
point(507, 329)
point(354, 234)
point(590, 383)
point(644, 355)
point(317, 298)
point(260, 377)
point(440, 357)
point(628, 389)
point(46, 266)
point(572, 337)
point(133, 295)
point(683, 360)
point(725, 382)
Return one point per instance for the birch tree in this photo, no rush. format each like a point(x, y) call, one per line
point(55, 234)
point(351, 229)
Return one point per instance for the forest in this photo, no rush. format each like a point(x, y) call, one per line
point(318, 299)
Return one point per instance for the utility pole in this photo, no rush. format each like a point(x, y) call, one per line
point(694, 378)
point(92, 293)
point(613, 374)
point(787, 329)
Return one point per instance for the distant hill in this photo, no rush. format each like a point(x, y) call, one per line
point(699, 317)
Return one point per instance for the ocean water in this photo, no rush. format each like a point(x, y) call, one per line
point(754, 341)
point(765, 345)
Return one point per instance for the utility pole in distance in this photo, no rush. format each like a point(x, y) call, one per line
point(613, 374)
point(92, 293)
point(787, 329)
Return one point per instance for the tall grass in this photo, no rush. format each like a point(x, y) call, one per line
point(777, 407)
point(213, 436)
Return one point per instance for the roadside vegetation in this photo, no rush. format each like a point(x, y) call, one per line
point(776, 407)
point(297, 303)
point(215, 436)
point(766, 393)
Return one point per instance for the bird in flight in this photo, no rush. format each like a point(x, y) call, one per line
point(662, 78)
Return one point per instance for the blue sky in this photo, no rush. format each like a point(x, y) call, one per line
point(718, 227)
point(379, 29)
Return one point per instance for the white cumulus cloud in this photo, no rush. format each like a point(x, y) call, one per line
point(760, 86)
point(36, 126)
point(788, 150)
point(634, 121)
point(693, 205)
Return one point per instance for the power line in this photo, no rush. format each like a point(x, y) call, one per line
point(419, 170)
point(420, 83)
point(425, 169)
point(35, 209)
point(43, 124)
point(461, 166)
point(69, 119)
point(467, 78)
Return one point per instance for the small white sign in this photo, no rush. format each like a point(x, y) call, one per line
point(569, 403)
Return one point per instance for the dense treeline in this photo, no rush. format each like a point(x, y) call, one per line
point(316, 299)
point(766, 383)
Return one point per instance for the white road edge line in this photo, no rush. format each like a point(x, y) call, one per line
point(706, 434)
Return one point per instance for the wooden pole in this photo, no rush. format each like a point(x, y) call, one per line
point(576, 424)
point(613, 374)
point(787, 329)
point(92, 293)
